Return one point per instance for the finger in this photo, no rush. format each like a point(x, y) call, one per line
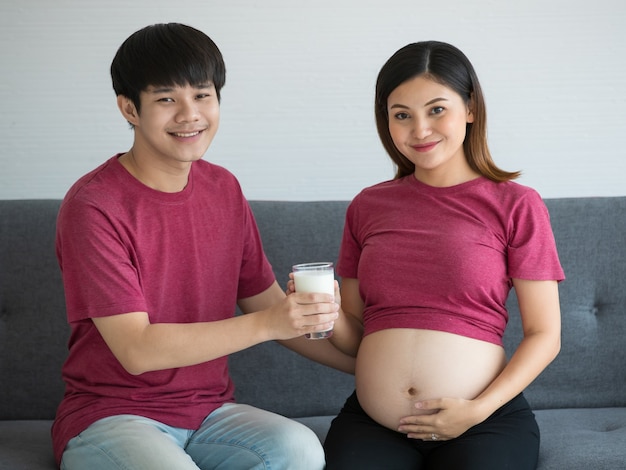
point(418, 432)
point(321, 327)
point(434, 405)
point(424, 420)
point(321, 320)
point(433, 436)
point(424, 434)
point(305, 298)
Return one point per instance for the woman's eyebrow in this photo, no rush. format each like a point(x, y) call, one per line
point(433, 101)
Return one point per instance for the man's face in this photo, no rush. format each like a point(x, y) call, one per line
point(176, 124)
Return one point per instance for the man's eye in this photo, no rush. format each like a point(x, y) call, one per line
point(165, 100)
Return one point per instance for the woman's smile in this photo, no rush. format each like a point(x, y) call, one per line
point(427, 147)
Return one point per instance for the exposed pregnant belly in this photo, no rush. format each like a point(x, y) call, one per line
point(397, 367)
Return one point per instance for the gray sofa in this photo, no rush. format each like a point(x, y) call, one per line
point(580, 400)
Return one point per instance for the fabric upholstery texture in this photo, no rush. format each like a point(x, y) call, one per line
point(580, 400)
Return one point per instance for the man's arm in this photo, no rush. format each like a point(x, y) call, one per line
point(141, 346)
point(320, 351)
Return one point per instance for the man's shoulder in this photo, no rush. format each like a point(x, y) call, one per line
point(95, 187)
point(89, 178)
point(212, 176)
point(204, 167)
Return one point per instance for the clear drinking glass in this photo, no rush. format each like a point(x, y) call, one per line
point(315, 277)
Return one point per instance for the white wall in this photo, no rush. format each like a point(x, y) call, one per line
point(297, 117)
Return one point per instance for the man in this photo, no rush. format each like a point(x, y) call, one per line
point(156, 247)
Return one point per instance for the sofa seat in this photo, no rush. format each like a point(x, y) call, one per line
point(579, 400)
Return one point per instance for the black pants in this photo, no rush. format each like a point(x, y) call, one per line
point(508, 439)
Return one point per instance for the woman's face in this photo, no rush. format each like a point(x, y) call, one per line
point(427, 123)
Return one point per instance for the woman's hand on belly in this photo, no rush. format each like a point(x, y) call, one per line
point(424, 382)
point(442, 418)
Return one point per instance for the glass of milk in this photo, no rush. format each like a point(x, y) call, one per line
point(315, 277)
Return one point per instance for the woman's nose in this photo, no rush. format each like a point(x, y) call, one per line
point(421, 128)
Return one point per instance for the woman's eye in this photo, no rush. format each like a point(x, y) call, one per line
point(437, 110)
point(401, 116)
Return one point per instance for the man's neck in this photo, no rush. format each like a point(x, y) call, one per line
point(159, 178)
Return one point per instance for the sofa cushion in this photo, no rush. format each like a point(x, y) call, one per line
point(591, 438)
point(26, 445)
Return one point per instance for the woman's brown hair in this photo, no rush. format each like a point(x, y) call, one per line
point(447, 65)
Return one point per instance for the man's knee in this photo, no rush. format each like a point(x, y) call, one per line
point(300, 446)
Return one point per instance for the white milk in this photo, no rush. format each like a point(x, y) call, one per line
point(315, 281)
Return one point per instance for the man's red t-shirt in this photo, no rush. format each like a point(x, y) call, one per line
point(181, 257)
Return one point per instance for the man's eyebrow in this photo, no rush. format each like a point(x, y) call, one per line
point(202, 86)
point(160, 89)
point(169, 89)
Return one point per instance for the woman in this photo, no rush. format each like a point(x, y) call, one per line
point(427, 261)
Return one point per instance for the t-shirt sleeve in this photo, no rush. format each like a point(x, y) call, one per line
point(98, 274)
point(350, 248)
point(256, 271)
point(532, 251)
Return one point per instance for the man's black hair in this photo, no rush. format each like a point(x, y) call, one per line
point(170, 54)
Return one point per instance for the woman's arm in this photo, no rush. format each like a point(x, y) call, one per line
point(343, 345)
point(317, 350)
point(541, 322)
point(348, 330)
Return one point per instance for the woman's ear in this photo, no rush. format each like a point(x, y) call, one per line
point(470, 109)
point(128, 109)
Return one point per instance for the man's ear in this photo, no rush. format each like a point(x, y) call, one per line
point(128, 109)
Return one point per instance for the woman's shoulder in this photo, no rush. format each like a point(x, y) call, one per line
point(384, 188)
point(510, 192)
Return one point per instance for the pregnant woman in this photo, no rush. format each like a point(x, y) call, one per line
point(427, 261)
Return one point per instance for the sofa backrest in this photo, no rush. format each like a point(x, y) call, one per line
point(293, 232)
point(589, 371)
point(33, 327)
point(34, 331)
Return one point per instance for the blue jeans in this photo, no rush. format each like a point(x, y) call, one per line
point(233, 437)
